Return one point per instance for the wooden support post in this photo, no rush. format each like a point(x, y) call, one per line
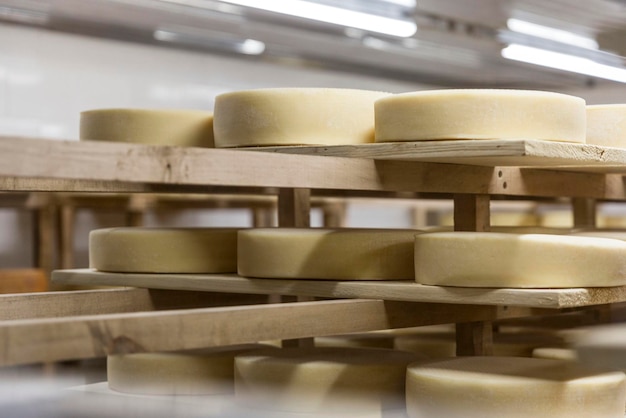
point(65, 238)
point(471, 212)
point(294, 207)
point(334, 213)
point(44, 239)
point(474, 339)
point(584, 212)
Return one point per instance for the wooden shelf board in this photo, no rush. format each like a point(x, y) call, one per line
point(388, 290)
point(493, 153)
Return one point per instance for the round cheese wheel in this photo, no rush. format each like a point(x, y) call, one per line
point(323, 380)
point(326, 254)
point(164, 250)
point(513, 387)
point(555, 353)
point(491, 259)
point(194, 372)
point(606, 125)
point(192, 128)
point(480, 114)
point(295, 116)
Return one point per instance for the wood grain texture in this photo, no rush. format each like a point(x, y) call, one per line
point(401, 290)
point(76, 337)
point(39, 164)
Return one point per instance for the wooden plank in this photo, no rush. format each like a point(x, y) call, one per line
point(390, 290)
point(39, 164)
point(23, 280)
point(521, 152)
point(53, 339)
point(115, 300)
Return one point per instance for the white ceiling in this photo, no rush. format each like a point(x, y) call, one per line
point(457, 42)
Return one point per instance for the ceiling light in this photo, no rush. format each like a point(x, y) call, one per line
point(565, 62)
point(334, 15)
point(553, 34)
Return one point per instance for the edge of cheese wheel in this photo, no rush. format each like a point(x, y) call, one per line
point(492, 259)
point(175, 127)
point(295, 116)
point(194, 372)
point(163, 250)
point(513, 387)
point(322, 379)
point(480, 114)
point(326, 254)
point(606, 125)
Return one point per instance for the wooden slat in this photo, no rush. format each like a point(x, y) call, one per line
point(400, 290)
point(478, 152)
point(584, 211)
point(294, 208)
point(37, 164)
point(53, 339)
point(471, 212)
point(114, 300)
point(474, 338)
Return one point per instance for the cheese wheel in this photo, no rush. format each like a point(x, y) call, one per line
point(326, 254)
point(194, 372)
point(164, 250)
point(513, 387)
point(555, 353)
point(191, 128)
point(480, 114)
point(491, 259)
point(606, 125)
point(323, 380)
point(295, 116)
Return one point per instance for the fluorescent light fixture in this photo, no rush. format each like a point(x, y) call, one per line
point(553, 34)
point(565, 62)
point(333, 15)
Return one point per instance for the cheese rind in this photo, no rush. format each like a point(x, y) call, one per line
point(491, 259)
point(194, 372)
point(328, 380)
point(513, 387)
point(480, 114)
point(606, 125)
point(295, 116)
point(176, 127)
point(326, 254)
point(164, 250)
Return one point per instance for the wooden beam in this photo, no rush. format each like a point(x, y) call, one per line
point(294, 208)
point(54, 339)
point(584, 212)
point(474, 338)
point(471, 212)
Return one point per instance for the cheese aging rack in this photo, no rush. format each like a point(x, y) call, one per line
point(140, 314)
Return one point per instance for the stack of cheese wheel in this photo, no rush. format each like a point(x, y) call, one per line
point(192, 128)
point(606, 125)
point(295, 116)
point(194, 372)
point(490, 259)
point(164, 250)
point(327, 254)
point(335, 382)
point(513, 387)
point(480, 114)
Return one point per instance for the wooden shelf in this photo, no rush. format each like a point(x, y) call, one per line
point(28, 164)
point(389, 290)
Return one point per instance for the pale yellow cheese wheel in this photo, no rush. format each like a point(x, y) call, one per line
point(555, 353)
point(492, 259)
point(480, 114)
point(513, 387)
point(323, 380)
point(606, 125)
point(164, 250)
point(295, 116)
point(194, 372)
point(176, 127)
point(326, 254)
